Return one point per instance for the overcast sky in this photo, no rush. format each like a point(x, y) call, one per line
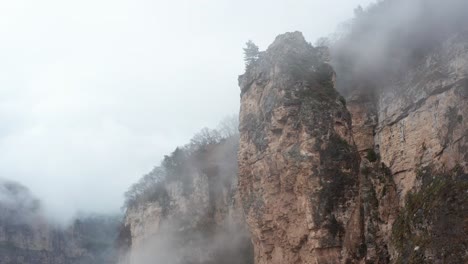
point(93, 93)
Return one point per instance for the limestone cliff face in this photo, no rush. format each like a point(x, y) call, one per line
point(27, 237)
point(422, 137)
point(298, 164)
point(197, 220)
point(378, 178)
point(416, 128)
point(422, 117)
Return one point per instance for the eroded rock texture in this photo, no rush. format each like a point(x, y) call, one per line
point(412, 135)
point(422, 138)
point(422, 117)
point(378, 178)
point(298, 164)
point(196, 217)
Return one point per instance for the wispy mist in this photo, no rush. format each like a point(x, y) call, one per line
point(94, 93)
point(17, 204)
point(388, 37)
point(186, 210)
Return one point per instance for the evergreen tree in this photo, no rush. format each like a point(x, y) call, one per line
point(251, 53)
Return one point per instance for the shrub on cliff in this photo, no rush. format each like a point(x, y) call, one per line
point(182, 164)
point(144, 189)
point(431, 226)
point(371, 155)
point(251, 53)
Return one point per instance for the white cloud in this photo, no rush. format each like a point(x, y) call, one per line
point(94, 93)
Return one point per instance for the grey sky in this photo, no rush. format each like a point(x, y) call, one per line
point(94, 93)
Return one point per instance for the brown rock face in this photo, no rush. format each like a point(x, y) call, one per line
point(423, 117)
point(195, 218)
point(383, 183)
point(378, 201)
point(422, 138)
point(298, 164)
point(412, 138)
point(380, 178)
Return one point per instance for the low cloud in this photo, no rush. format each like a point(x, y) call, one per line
point(94, 93)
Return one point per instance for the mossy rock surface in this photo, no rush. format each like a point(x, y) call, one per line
point(432, 226)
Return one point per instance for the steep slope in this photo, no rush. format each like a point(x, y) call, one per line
point(423, 114)
point(188, 211)
point(378, 178)
point(406, 85)
point(27, 237)
point(298, 164)
point(421, 136)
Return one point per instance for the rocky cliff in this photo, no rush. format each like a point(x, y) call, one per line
point(421, 117)
point(415, 127)
point(379, 176)
point(298, 163)
point(353, 154)
point(26, 236)
point(188, 211)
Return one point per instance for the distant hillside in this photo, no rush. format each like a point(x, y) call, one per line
point(27, 237)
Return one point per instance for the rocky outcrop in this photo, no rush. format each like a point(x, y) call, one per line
point(378, 178)
point(378, 198)
point(413, 125)
point(298, 163)
point(422, 138)
point(27, 237)
point(422, 117)
point(196, 218)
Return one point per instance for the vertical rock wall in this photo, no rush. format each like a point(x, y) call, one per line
point(298, 164)
point(382, 183)
point(411, 133)
point(423, 115)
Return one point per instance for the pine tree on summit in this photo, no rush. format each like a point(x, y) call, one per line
point(251, 53)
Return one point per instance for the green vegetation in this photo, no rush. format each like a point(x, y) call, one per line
point(337, 177)
point(318, 84)
point(339, 149)
point(386, 170)
point(433, 219)
point(251, 54)
point(334, 227)
point(366, 170)
point(180, 166)
point(342, 100)
point(371, 155)
point(453, 121)
point(324, 75)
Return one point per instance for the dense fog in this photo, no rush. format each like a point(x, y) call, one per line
point(103, 107)
point(93, 94)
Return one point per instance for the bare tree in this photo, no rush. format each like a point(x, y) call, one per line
point(205, 137)
point(323, 42)
point(229, 126)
